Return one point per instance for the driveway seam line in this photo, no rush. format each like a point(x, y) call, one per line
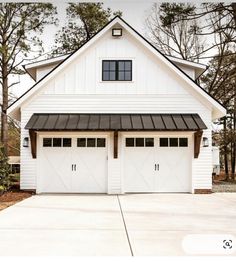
point(126, 230)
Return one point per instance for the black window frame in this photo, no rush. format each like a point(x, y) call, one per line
point(172, 141)
point(133, 141)
point(81, 142)
point(117, 71)
point(149, 142)
point(162, 142)
point(128, 140)
point(46, 140)
point(98, 143)
point(54, 144)
point(183, 142)
point(66, 144)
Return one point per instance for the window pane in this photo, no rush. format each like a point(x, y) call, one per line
point(112, 76)
point(47, 142)
point(128, 76)
point(101, 142)
point(117, 70)
point(183, 142)
point(105, 76)
point(112, 65)
point(173, 142)
point(66, 142)
point(81, 142)
point(121, 66)
point(163, 142)
point(129, 142)
point(91, 142)
point(128, 65)
point(139, 142)
point(149, 142)
point(106, 65)
point(56, 142)
point(121, 76)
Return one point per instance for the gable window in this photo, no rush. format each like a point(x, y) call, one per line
point(116, 70)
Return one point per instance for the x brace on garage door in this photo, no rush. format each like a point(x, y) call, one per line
point(115, 123)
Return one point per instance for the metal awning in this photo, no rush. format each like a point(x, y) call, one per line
point(116, 122)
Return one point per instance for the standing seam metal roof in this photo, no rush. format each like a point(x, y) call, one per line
point(119, 122)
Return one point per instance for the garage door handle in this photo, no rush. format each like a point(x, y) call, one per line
point(73, 167)
point(156, 167)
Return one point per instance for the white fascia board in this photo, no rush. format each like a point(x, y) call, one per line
point(46, 62)
point(187, 63)
point(70, 59)
point(198, 68)
point(212, 101)
point(31, 68)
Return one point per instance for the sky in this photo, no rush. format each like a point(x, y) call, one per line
point(133, 11)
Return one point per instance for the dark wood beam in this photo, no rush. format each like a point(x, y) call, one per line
point(115, 146)
point(33, 143)
point(197, 143)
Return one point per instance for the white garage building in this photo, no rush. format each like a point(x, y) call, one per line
point(116, 116)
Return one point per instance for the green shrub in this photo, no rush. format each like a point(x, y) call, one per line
point(5, 182)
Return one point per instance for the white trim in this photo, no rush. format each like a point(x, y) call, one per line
point(220, 110)
point(46, 62)
point(186, 62)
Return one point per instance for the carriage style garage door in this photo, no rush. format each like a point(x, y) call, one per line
point(72, 164)
point(157, 164)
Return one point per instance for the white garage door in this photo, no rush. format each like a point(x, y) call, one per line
point(157, 164)
point(72, 165)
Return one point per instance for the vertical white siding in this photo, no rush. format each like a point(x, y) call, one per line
point(42, 71)
point(118, 104)
point(154, 89)
point(188, 70)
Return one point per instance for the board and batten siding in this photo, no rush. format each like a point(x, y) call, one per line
point(120, 104)
point(154, 89)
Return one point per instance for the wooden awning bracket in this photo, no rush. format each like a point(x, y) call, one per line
point(33, 143)
point(115, 146)
point(197, 143)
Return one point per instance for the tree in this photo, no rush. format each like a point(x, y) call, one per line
point(13, 138)
point(220, 81)
point(180, 29)
point(84, 20)
point(176, 38)
point(20, 25)
point(4, 171)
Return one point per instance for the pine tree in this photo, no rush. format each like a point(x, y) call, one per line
point(84, 21)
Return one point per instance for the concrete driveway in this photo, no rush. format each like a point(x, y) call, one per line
point(135, 224)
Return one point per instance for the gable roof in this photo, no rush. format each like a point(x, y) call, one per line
point(31, 68)
point(218, 109)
